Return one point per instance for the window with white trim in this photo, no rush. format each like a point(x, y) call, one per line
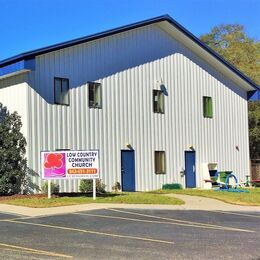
point(207, 107)
point(61, 91)
point(158, 101)
point(94, 95)
point(160, 162)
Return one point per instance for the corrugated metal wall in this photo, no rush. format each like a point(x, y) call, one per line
point(129, 65)
point(13, 95)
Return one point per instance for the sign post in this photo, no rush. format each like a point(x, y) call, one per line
point(66, 165)
point(94, 189)
point(49, 189)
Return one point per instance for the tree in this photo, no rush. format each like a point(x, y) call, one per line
point(254, 126)
point(232, 43)
point(12, 153)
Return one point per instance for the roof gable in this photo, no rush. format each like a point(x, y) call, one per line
point(4, 64)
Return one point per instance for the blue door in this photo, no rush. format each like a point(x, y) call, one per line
point(128, 170)
point(190, 169)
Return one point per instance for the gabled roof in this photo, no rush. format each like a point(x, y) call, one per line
point(27, 57)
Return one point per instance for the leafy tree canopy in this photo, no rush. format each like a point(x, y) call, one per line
point(254, 129)
point(232, 43)
point(12, 153)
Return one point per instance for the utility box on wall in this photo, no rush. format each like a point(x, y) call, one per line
point(208, 170)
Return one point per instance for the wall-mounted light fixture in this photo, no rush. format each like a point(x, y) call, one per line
point(181, 171)
point(128, 145)
point(191, 147)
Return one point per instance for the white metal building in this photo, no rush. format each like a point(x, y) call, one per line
point(150, 96)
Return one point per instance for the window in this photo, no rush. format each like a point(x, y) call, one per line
point(160, 162)
point(61, 91)
point(94, 95)
point(158, 101)
point(207, 107)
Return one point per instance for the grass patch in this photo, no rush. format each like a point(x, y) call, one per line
point(128, 198)
point(246, 199)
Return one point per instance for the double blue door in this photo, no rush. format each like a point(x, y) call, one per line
point(190, 169)
point(128, 170)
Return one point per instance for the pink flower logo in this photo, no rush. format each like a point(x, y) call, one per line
point(53, 161)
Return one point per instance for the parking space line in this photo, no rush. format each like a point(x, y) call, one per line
point(32, 251)
point(92, 232)
point(164, 222)
point(11, 214)
point(235, 213)
point(186, 223)
point(6, 219)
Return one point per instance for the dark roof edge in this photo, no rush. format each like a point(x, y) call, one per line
point(212, 52)
point(32, 54)
point(92, 37)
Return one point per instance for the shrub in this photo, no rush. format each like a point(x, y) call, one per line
point(87, 186)
point(55, 188)
point(172, 186)
point(116, 187)
point(12, 153)
point(257, 184)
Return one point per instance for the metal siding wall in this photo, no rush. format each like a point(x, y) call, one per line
point(13, 95)
point(128, 66)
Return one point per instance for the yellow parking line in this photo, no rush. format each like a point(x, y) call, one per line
point(32, 251)
point(186, 223)
point(164, 222)
point(234, 213)
point(92, 232)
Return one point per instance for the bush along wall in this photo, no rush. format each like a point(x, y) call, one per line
point(172, 186)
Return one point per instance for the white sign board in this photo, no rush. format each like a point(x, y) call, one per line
point(70, 164)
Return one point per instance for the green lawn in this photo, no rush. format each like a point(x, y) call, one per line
point(250, 199)
point(154, 197)
point(128, 198)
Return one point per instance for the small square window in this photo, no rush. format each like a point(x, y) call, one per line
point(61, 91)
point(94, 95)
point(158, 101)
point(207, 107)
point(160, 162)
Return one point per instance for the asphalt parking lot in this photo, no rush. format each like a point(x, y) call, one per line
point(132, 234)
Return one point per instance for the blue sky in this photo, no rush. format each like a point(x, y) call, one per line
point(32, 24)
